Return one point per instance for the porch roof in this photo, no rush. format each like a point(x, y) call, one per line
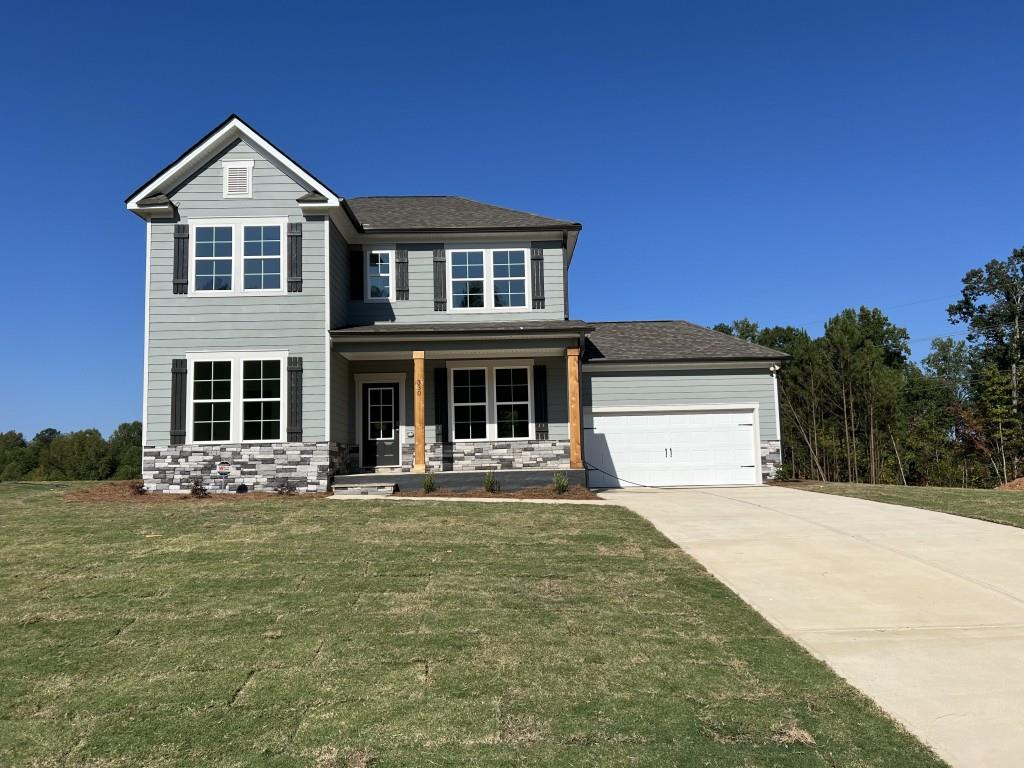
point(437, 331)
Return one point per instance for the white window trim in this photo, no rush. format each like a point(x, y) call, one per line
point(492, 407)
point(379, 378)
point(488, 251)
point(238, 255)
point(236, 358)
point(248, 165)
point(390, 251)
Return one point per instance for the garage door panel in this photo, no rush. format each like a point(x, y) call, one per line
point(672, 448)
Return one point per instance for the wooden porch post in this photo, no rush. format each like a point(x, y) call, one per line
point(419, 394)
point(572, 360)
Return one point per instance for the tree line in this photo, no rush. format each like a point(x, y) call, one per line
point(855, 408)
point(82, 455)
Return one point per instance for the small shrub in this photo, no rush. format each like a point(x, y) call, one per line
point(199, 490)
point(429, 483)
point(491, 484)
point(561, 482)
point(138, 488)
point(285, 487)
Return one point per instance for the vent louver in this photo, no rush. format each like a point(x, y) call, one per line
point(238, 178)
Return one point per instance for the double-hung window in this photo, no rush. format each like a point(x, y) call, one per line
point(211, 401)
point(492, 402)
point(485, 279)
point(237, 256)
point(261, 263)
point(378, 275)
point(469, 403)
point(261, 399)
point(236, 397)
point(214, 260)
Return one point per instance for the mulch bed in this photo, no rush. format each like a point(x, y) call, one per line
point(128, 491)
point(574, 492)
point(1013, 485)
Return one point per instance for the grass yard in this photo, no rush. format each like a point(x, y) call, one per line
point(291, 632)
point(1006, 507)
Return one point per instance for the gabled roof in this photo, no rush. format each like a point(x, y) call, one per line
point(209, 146)
point(669, 341)
point(439, 213)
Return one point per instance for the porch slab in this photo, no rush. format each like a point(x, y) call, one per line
point(509, 479)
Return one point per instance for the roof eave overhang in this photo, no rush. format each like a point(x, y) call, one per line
point(723, 362)
point(207, 148)
point(458, 230)
point(342, 335)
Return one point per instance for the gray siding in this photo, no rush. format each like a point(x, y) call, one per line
point(189, 323)
point(420, 306)
point(686, 388)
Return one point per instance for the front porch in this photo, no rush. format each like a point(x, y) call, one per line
point(457, 402)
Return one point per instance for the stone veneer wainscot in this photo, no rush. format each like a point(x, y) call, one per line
point(171, 469)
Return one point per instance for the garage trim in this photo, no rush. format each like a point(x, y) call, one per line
point(753, 408)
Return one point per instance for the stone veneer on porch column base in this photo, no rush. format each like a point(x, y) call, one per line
point(498, 454)
point(171, 469)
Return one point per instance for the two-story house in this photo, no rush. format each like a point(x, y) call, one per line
point(293, 334)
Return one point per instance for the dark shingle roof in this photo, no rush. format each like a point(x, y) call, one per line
point(436, 213)
point(402, 329)
point(669, 340)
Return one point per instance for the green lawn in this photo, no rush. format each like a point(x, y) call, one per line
point(1006, 507)
point(287, 632)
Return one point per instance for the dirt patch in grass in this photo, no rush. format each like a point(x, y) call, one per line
point(1013, 485)
point(574, 492)
point(130, 491)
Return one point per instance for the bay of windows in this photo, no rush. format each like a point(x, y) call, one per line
point(491, 403)
point(236, 397)
point(489, 279)
point(231, 256)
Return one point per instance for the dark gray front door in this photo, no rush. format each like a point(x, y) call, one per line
point(380, 425)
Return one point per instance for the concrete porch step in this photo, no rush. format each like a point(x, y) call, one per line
point(364, 489)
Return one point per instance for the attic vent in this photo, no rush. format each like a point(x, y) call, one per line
point(238, 178)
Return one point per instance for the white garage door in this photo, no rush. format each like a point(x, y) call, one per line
point(666, 448)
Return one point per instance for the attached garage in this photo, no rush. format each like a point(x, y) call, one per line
point(674, 404)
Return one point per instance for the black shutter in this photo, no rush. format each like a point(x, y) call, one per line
point(401, 274)
point(295, 257)
point(441, 405)
point(540, 401)
point(179, 383)
point(181, 258)
point(294, 399)
point(537, 275)
point(440, 281)
point(356, 264)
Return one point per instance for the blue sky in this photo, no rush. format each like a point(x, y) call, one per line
point(778, 161)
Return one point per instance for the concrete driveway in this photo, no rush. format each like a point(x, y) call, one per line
point(922, 611)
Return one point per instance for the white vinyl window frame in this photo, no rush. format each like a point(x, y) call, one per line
point(238, 225)
point(227, 166)
point(381, 251)
point(235, 358)
point(489, 366)
point(489, 279)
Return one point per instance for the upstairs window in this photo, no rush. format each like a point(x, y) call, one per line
point(214, 258)
point(467, 279)
point(489, 279)
point(237, 256)
point(509, 272)
point(237, 178)
point(262, 260)
point(378, 275)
